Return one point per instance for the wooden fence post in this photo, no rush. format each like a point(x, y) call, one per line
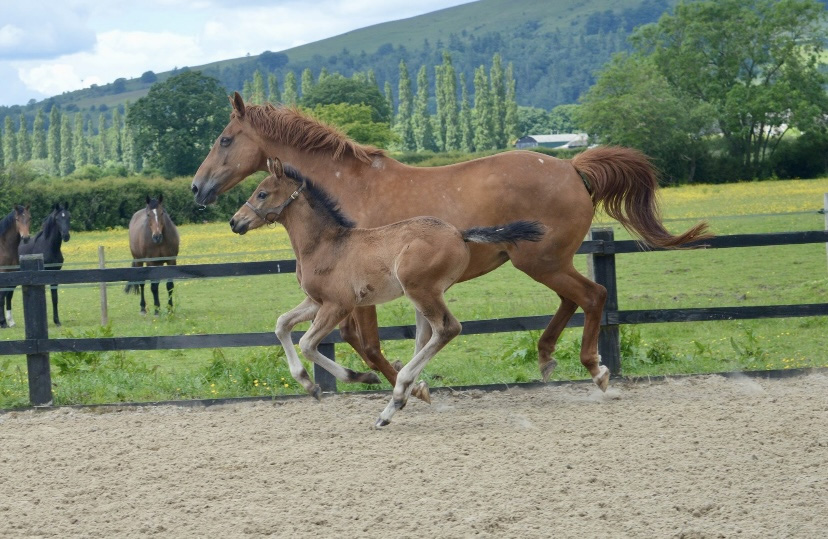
point(37, 327)
point(104, 306)
point(602, 271)
point(326, 380)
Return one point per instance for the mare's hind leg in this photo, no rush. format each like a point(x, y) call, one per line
point(444, 327)
point(325, 320)
point(55, 317)
point(576, 289)
point(170, 287)
point(284, 324)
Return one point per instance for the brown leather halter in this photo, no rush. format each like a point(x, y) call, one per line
point(277, 211)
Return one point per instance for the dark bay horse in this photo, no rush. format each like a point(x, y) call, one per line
point(53, 233)
point(375, 190)
point(14, 229)
point(153, 240)
point(341, 267)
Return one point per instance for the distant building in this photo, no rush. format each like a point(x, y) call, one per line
point(562, 140)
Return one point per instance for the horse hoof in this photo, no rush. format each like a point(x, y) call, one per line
point(421, 392)
point(316, 392)
point(602, 378)
point(547, 369)
point(381, 423)
point(398, 365)
point(370, 378)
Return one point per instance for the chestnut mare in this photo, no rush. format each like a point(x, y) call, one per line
point(153, 239)
point(375, 190)
point(341, 267)
point(14, 229)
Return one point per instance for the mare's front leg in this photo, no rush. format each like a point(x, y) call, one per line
point(55, 317)
point(155, 301)
point(284, 324)
point(4, 314)
point(8, 313)
point(326, 319)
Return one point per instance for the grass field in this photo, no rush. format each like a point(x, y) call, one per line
point(722, 277)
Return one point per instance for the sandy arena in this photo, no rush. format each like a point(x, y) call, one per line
point(689, 457)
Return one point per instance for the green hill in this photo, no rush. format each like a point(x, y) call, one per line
point(555, 48)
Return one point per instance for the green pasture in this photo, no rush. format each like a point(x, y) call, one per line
point(703, 278)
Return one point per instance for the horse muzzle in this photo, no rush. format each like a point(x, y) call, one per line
point(206, 194)
point(24, 239)
point(239, 225)
point(157, 238)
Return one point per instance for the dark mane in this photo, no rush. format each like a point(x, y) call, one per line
point(6, 222)
point(293, 128)
point(47, 226)
point(317, 194)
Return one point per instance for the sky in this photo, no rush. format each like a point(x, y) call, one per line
point(48, 47)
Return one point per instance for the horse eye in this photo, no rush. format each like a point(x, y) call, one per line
point(262, 195)
point(225, 141)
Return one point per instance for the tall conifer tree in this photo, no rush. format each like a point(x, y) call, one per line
point(307, 81)
point(403, 126)
point(257, 91)
point(498, 98)
point(290, 94)
point(39, 150)
point(510, 121)
point(53, 142)
point(80, 143)
point(421, 120)
point(273, 93)
point(483, 120)
point(9, 142)
point(466, 127)
point(24, 144)
point(67, 156)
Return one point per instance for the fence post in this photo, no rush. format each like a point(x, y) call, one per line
point(37, 327)
point(602, 271)
point(104, 306)
point(326, 380)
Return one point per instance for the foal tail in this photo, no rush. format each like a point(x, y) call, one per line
point(508, 233)
point(624, 183)
point(132, 288)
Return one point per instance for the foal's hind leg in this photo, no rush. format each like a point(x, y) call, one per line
point(325, 320)
point(550, 336)
point(444, 327)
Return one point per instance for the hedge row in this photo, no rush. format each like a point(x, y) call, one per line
point(110, 202)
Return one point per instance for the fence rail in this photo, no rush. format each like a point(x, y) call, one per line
point(601, 250)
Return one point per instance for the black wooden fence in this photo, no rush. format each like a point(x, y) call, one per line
point(601, 250)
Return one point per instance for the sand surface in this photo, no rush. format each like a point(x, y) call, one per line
point(692, 457)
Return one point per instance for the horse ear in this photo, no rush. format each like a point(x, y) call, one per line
point(148, 199)
point(238, 104)
point(274, 166)
point(160, 198)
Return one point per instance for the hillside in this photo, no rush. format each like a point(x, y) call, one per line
point(555, 48)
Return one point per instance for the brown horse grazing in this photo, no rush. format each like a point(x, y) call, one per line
point(341, 267)
point(153, 239)
point(14, 229)
point(376, 190)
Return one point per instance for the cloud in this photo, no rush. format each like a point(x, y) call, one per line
point(38, 29)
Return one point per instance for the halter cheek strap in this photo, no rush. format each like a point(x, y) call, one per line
point(264, 214)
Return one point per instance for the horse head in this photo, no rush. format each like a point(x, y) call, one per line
point(62, 216)
point(267, 202)
point(22, 220)
point(155, 218)
point(235, 155)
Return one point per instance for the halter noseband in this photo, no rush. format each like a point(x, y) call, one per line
point(263, 214)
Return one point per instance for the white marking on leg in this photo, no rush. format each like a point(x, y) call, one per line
point(9, 319)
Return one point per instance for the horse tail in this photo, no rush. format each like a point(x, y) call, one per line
point(625, 183)
point(508, 233)
point(132, 288)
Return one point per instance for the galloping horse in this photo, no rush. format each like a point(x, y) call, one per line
point(341, 267)
point(375, 190)
point(153, 239)
point(53, 233)
point(14, 228)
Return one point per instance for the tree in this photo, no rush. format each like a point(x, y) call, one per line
point(53, 142)
point(758, 83)
point(307, 81)
point(421, 121)
point(103, 140)
point(510, 115)
point(466, 127)
point(9, 142)
point(39, 136)
point(257, 95)
point(67, 155)
point(498, 100)
point(148, 77)
point(175, 124)
point(80, 146)
point(562, 118)
point(448, 120)
point(483, 116)
point(631, 104)
point(115, 138)
point(403, 126)
point(24, 144)
point(273, 93)
point(389, 101)
point(290, 95)
point(357, 122)
point(337, 89)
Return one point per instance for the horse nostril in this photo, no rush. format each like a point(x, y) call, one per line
point(232, 223)
point(195, 189)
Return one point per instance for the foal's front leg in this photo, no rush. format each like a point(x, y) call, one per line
point(284, 324)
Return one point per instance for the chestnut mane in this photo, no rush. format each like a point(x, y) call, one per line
point(292, 127)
